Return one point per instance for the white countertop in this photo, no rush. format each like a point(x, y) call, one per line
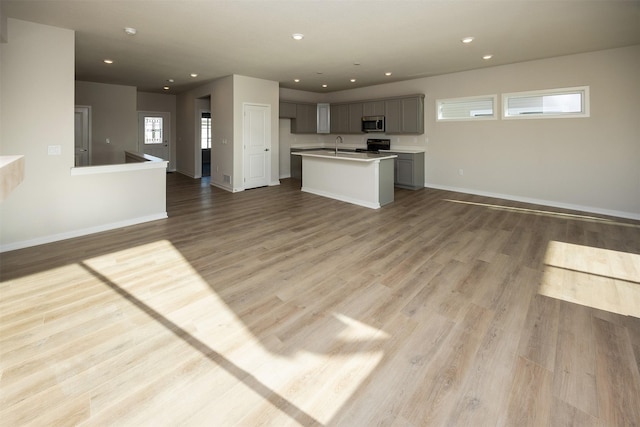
point(346, 155)
point(402, 149)
point(11, 174)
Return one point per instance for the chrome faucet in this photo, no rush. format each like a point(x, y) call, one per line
point(338, 138)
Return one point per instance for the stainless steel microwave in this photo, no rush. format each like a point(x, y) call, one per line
point(373, 124)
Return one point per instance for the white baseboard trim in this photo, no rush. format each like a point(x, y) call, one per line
point(223, 187)
point(550, 203)
point(79, 233)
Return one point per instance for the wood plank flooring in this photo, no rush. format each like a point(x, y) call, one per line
point(276, 307)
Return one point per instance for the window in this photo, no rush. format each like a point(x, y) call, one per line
point(561, 103)
point(153, 130)
point(473, 108)
point(205, 130)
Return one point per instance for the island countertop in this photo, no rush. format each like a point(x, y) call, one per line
point(361, 156)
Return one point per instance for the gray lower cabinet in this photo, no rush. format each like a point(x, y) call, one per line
point(296, 164)
point(409, 170)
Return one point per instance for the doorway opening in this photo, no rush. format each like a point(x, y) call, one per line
point(82, 135)
point(205, 142)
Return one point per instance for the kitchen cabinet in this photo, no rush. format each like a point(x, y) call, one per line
point(323, 119)
point(355, 118)
point(287, 110)
point(404, 115)
point(306, 119)
point(339, 118)
point(409, 170)
point(295, 164)
point(346, 118)
point(373, 108)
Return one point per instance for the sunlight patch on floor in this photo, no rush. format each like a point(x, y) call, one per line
point(549, 213)
point(599, 278)
point(317, 381)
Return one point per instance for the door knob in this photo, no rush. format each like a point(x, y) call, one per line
point(266, 149)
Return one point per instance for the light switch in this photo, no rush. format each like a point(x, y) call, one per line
point(54, 150)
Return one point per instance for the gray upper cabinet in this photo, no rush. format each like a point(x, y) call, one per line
point(404, 115)
point(355, 118)
point(306, 119)
point(346, 118)
point(323, 118)
point(339, 118)
point(287, 110)
point(373, 108)
point(392, 112)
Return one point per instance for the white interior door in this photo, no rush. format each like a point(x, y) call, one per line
point(154, 134)
point(256, 137)
point(82, 136)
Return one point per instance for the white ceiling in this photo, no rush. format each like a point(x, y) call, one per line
point(411, 39)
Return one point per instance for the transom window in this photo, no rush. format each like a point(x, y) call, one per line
point(564, 102)
point(471, 108)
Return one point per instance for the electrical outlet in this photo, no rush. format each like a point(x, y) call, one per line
point(54, 150)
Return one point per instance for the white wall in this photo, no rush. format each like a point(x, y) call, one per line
point(51, 204)
point(255, 91)
point(113, 117)
point(227, 96)
point(222, 137)
point(591, 164)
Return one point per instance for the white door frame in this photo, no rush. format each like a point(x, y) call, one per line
point(85, 110)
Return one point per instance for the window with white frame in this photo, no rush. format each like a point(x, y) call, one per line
point(558, 103)
point(471, 108)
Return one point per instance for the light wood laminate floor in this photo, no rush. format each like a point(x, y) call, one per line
point(277, 307)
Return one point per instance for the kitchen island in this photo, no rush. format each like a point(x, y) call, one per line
point(361, 178)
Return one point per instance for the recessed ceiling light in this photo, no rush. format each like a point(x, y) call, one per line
point(353, 80)
point(324, 85)
point(166, 88)
point(193, 75)
point(467, 40)
point(170, 80)
point(297, 36)
point(296, 80)
point(488, 56)
point(108, 61)
point(388, 73)
point(130, 31)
